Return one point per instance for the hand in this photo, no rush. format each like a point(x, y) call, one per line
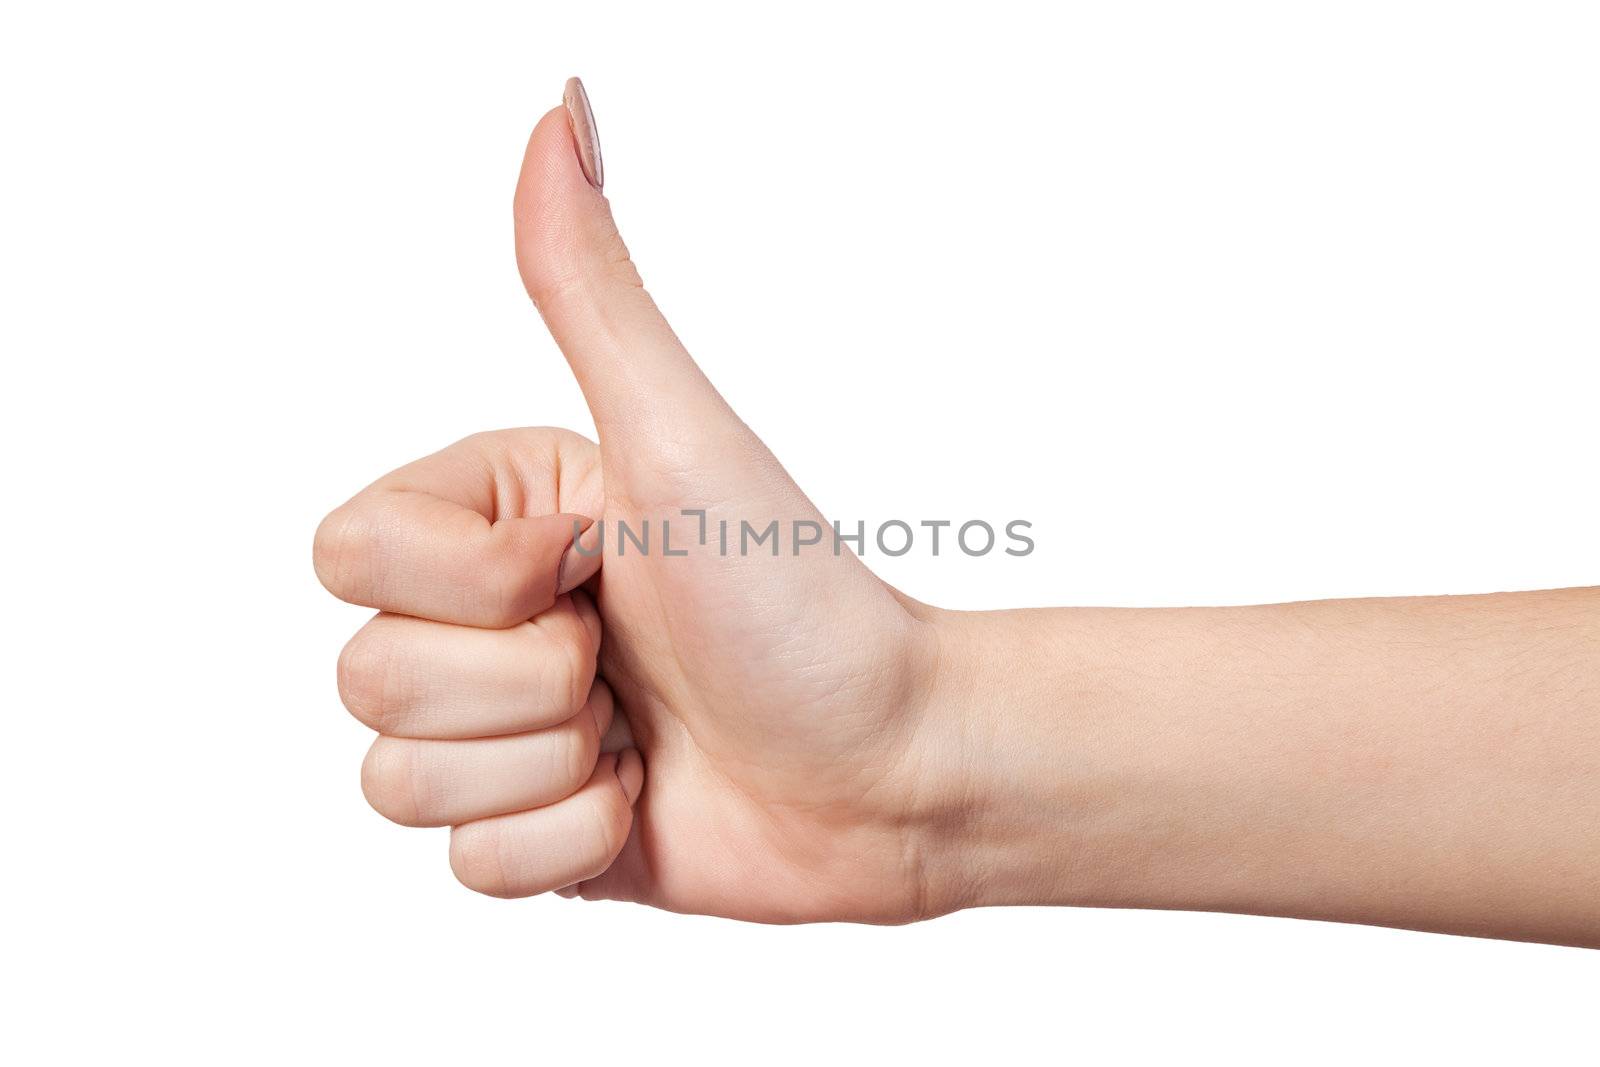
point(817, 746)
point(781, 703)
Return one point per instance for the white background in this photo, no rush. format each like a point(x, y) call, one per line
point(1236, 302)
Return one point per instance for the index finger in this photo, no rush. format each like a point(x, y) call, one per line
point(459, 536)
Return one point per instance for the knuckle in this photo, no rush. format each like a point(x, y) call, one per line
point(475, 859)
point(564, 440)
point(337, 551)
point(368, 679)
point(552, 283)
point(485, 440)
point(390, 777)
point(609, 249)
point(516, 446)
point(605, 266)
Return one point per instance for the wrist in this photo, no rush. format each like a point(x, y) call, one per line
point(1028, 772)
point(1096, 768)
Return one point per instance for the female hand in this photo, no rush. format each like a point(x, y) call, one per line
point(795, 767)
point(816, 745)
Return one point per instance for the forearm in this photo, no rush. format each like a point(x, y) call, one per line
point(1428, 762)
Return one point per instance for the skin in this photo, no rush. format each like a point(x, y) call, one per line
point(790, 739)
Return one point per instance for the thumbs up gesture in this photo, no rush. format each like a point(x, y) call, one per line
point(704, 702)
point(648, 669)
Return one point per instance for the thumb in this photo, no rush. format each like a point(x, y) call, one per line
point(667, 438)
point(636, 376)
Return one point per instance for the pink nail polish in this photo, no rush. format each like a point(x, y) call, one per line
point(581, 116)
point(578, 564)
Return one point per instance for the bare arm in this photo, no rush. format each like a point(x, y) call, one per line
point(1423, 762)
